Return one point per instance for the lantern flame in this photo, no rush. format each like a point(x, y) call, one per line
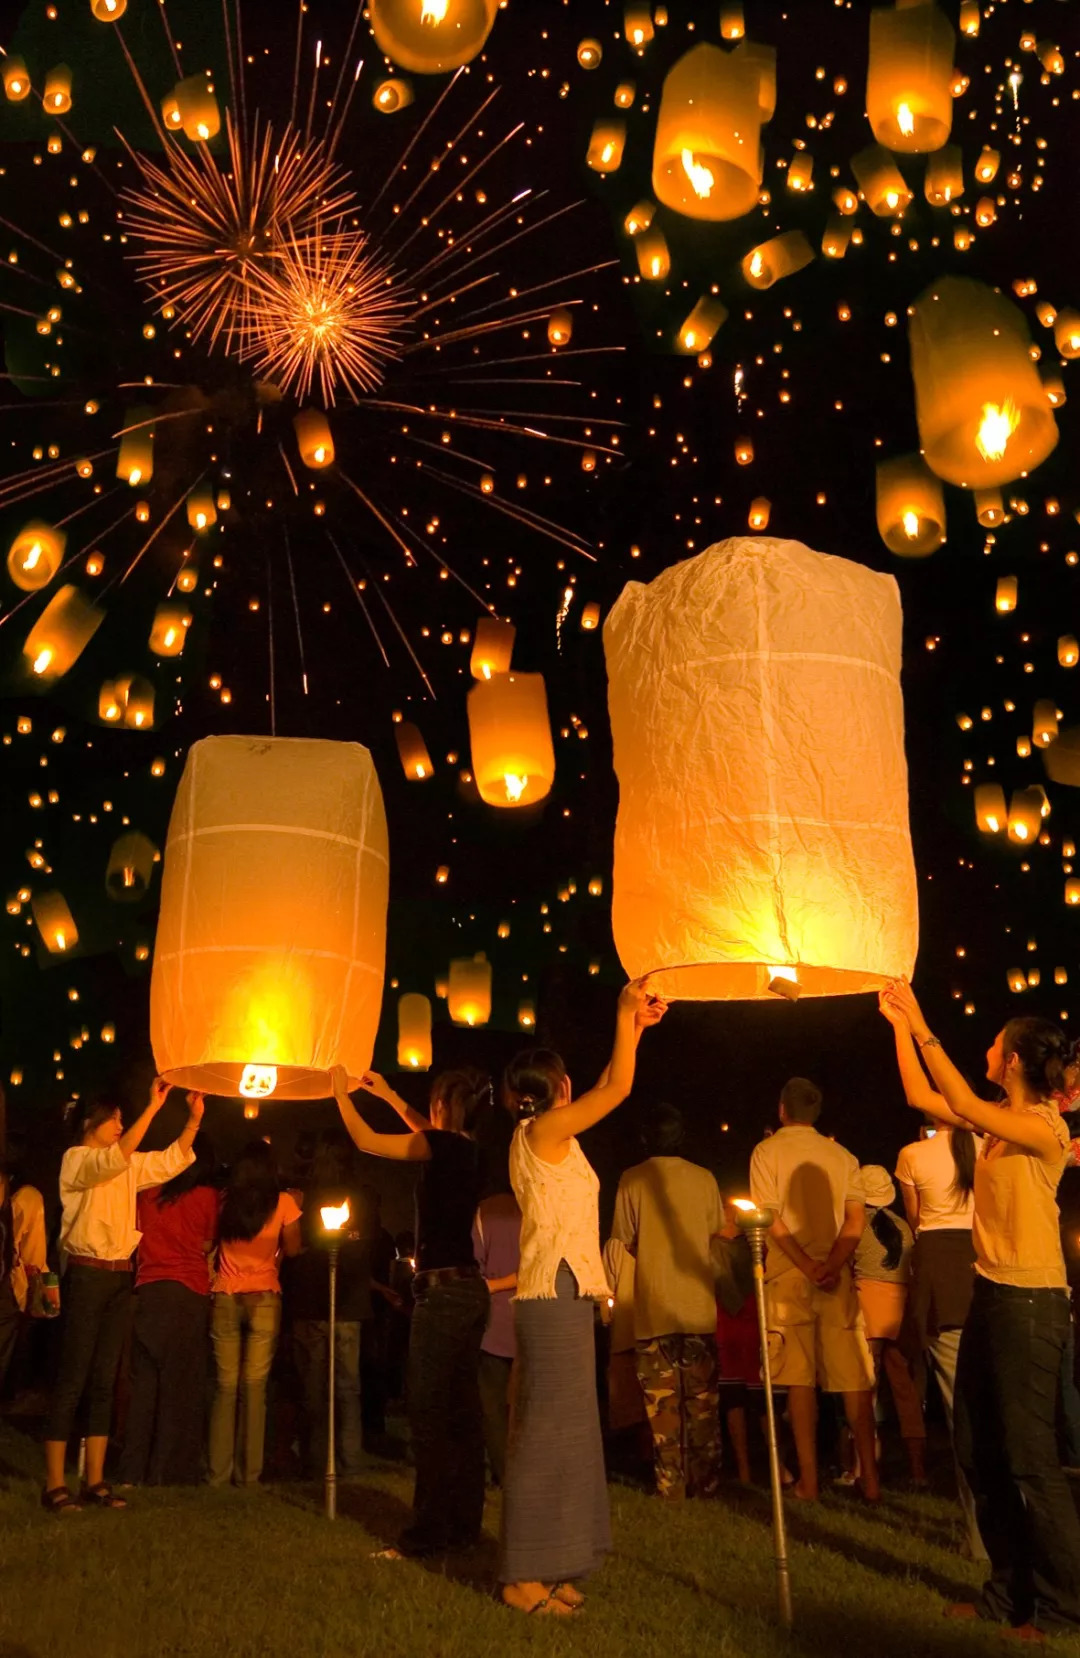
point(334, 1219)
point(60, 938)
point(701, 179)
point(515, 786)
point(911, 524)
point(757, 263)
point(42, 660)
point(433, 11)
point(996, 427)
point(258, 1081)
point(33, 557)
point(905, 120)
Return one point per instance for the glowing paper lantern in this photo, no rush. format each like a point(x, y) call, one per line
point(54, 922)
point(909, 77)
point(757, 722)
point(527, 1015)
point(137, 698)
point(197, 108)
point(201, 511)
point(108, 11)
point(653, 256)
point(314, 438)
point(760, 510)
point(590, 616)
point(56, 99)
point(982, 413)
point(637, 24)
point(414, 1033)
point(780, 256)
point(1067, 332)
point(35, 555)
point(415, 759)
point(1025, 816)
point(606, 146)
point(707, 156)
point(639, 218)
point(987, 165)
point(881, 181)
point(110, 708)
point(493, 647)
point(989, 507)
point(268, 966)
point(169, 632)
point(468, 991)
point(1044, 723)
point(1005, 594)
point(800, 173)
point(513, 760)
point(970, 17)
point(1062, 762)
point(188, 579)
point(61, 633)
point(429, 37)
point(16, 79)
point(560, 326)
point(990, 812)
point(732, 22)
point(836, 237)
point(391, 95)
point(700, 327)
point(135, 462)
point(130, 868)
point(910, 507)
point(1068, 650)
point(945, 176)
point(589, 53)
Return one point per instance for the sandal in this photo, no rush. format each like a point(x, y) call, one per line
point(60, 1501)
point(569, 1595)
point(101, 1496)
point(546, 1606)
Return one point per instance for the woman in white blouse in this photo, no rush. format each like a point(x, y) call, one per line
point(99, 1177)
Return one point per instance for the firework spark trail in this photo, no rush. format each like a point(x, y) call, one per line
point(477, 423)
point(429, 216)
point(535, 357)
point(414, 140)
point(524, 515)
point(444, 564)
point(68, 562)
point(94, 501)
point(228, 49)
point(410, 559)
point(345, 56)
point(354, 587)
point(340, 133)
point(270, 642)
point(296, 608)
point(152, 537)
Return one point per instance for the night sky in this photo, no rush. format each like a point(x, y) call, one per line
point(815, 371)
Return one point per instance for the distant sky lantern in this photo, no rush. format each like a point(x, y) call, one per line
point(800, 173)
point(910, 507)
point(757, 723)
point(590, 616)
point(744, 451)
point(135, 460)
point(697, 332)
point(1044, 723)
point(560, 326)
point(429, 37)
point(1072, 890)
point(985, 211)
point(16, 79)
point(108, 11)
point(836, 237)
point(589, 53)
point(200, 117)
point(170, 112)
point(110, 708)
point(1068, 651)
point(468, 993)
point(168, 634)
point(732, 22)
point(944, 181)
point(493, 647)
point(188, 579)
point(130, 868)
point(845, 201)
point(35, 555)
point(56, 99)
point(414, 1032)
point(527, 1015)
point(707, 156)
point(989, 507)
point(1025, 817)
point(54, 922)
point(201, 511)
point(137, 696)
point(637, 24)
point(760, 510)
point(1053, 386)
point(987, 164)
point(61, 634)
point(1067, 332)
point(909, 77)
point(881, 182)
point(1005, 594)
point(983, 417)
point(271, 942)
point(412, 750)
point(991, 814)
point(391, 95)
point(1016, 979)
point(625, 93)
point(781, 256)
point(314, 438)
point(970, 17)
point(513, 759)
point(653, 256)
point(606, 146)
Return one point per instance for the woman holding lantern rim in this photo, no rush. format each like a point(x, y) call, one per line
point(1008, 1375)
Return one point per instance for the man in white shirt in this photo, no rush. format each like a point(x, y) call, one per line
point(812, 1186)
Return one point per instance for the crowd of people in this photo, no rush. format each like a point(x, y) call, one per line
point(950, 1268)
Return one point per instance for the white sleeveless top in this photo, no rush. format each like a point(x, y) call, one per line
point(560, 1220)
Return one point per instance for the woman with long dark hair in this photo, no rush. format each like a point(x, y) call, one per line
point(259, 1223)
point(451, 1302)
point(555, 1521)
point(163, 1439)
point(1008, 1383)
point(100, 1177)
point(882, 1268)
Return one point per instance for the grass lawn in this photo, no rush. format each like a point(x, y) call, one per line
point(199, 1573)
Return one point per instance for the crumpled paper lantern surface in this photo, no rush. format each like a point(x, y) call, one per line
point(758, 733)
point(271, 941)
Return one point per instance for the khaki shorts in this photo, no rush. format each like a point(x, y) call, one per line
point(815, 1335)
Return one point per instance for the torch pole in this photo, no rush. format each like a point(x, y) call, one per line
point(331, 1466)
point(756, 1236)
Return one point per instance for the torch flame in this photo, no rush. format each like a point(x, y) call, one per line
point(996, 427)
point(334, 1219)
point(258, 1081)
point(701, 179)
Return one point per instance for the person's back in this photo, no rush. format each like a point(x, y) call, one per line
point(928, 1168)
point(805, 1179)
point(666, 1213)
point(177, 1237)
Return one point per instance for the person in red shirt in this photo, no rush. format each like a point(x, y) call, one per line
point(163, 1442)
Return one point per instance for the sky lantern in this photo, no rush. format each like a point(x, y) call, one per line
point(560, 326)
point(56, 99)
point(1005, 594)
point(1062, 762)
point(54, 922)
point(1025, 816)
point(513, 759)
point(762, 836)
point(493, 647)
point(780, 256)
point(428, 37)
point(412, 750)
point(414, 1032)
point(732, 22)
point(606, 146)
point(16, 79)
point(468, 991)
point(910, 507)
point(391, 95)
point(653, 255)
point(1067, 332)
point(135, 461)
point(313, 438)
point(637, 24)
point(35, 555)
point(707, 156)
point(61, 633)
point(909, 77)
point(835, 237)
point(991, 814)
point(881, 182)
point(989, 507)
point(169, 631)
point(1044, 723)
point(200, 117)
point(944, 181)
point(987, 164)
point(982, 412)
point(201, 511)
point(1068, 650)
point(130, 868)
point(268, 965)
point(697, 332)
point(108, 11)
point(136, 696)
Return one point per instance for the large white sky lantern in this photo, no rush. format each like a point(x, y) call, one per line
point(762, 836)
point(271, 942)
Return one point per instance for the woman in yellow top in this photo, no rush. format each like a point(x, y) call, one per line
point(1008, 1381)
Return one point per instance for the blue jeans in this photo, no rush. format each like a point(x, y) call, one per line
point(311, 1356)
point(244, 1330)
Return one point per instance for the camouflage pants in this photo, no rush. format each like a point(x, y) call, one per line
point(678, 1378)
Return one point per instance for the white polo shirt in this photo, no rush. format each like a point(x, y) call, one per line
point(806, 1180)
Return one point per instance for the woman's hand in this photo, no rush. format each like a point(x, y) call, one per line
point(651, 1013)
point(159, 1093)
point(373, 1083)
point(339, 1082)
point(196, 1104)
point(634, 998)
point(888, 1009)
point(900, 995)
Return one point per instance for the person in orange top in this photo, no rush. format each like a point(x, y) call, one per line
point(1008, 1383)
point(259, 1223)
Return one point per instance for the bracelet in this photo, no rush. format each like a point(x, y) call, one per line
point(931, 1042)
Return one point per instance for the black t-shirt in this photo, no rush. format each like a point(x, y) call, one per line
point(447, 1194)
